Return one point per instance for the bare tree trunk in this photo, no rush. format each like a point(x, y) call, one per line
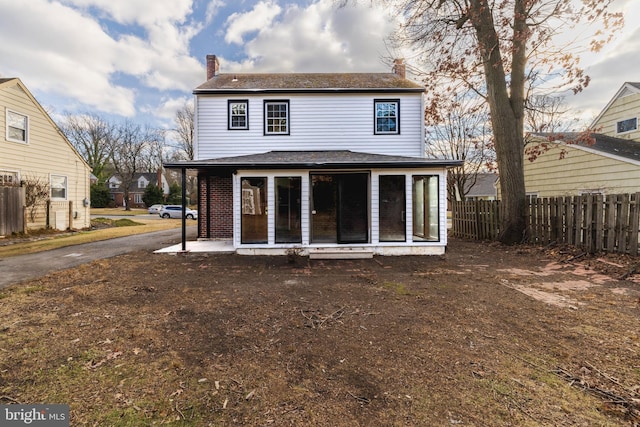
point(507, 114)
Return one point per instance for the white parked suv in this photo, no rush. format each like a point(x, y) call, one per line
point(174, 211)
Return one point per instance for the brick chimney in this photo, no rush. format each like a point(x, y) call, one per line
point(213, 66)
point(400, 68)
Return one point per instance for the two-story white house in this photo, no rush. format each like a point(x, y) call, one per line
point(322, 162)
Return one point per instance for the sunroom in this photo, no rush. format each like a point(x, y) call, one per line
point(323, 202)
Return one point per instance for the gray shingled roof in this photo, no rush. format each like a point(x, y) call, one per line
point(340, 159)
point(620, 147)
point(485, 185)
point(314, 82)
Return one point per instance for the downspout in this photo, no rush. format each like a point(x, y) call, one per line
point(184, 209)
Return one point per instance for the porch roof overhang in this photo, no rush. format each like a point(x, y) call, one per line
point(323, 160)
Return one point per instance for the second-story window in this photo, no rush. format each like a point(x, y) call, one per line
point(238, 115)
point(387, 116)
point(627, 125)
point(16, 127)
point(276, 117)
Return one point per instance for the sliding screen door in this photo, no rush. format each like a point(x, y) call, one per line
point(340, 208)
point(392, 208)
point(425, 208)
point(288, 209)
point(254, 210)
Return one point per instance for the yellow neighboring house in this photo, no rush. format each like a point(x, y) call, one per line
point(610, 165)
point(34, 150)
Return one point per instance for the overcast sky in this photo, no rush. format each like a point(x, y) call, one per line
point(141, 59)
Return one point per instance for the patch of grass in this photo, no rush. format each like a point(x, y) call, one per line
point(118, 211)
point(125, 222)
point(28, 290)
point(398, 288)
point(108, 222)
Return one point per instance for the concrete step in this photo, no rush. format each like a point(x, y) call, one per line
point(340, 253)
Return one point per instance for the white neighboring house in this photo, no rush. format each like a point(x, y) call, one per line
point(33, 148)
point(321, 162)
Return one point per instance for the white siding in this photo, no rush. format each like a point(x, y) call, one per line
point(317, 122)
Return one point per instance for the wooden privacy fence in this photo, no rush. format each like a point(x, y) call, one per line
point(11, 210)
point(593, 222)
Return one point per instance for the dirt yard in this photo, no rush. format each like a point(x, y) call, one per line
point(484, 336)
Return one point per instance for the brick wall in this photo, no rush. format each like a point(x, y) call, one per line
point(218, 215)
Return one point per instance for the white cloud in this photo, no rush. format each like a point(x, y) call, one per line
point(212, 9)
point(73, 55)
point(168, 107)
point(56, 60)
point(609, 69)
point(259, 17)
point(142, 12)
point(318, 38)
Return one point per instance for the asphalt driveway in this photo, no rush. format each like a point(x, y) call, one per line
point(26, 267)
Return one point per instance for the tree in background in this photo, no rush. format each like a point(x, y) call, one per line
point(100, 196)
point(175, 194)
point(184, 133)
point(93, 137)
point(461, 130)
point(126, 156)
point(503, 51)
point(153, 195)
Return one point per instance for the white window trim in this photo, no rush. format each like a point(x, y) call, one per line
point(66, 187)
point(26, 130)
point(624, 120)
point(288, 117)
point(230, 104)
point(11, 172)
point(375, 116)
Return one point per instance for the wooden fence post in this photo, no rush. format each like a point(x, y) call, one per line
point(634, 213)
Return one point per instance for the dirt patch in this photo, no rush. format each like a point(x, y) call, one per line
point(462, 339)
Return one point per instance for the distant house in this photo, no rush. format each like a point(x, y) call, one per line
point(34, 149)
point(608, 164)
point(137, 188)
point(323, 162)
point(484, 187)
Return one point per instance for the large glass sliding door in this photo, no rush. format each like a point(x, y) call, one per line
point(353, 208)
point(392, 208)
point(340, 208)
point(254, 210)
point(288, 209)
point(425, 208)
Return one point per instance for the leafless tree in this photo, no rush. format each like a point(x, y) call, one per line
point(155, 150)
point(93, 137)
point(185, 131)
point(36, 189)
point(127, 154)
point(500, 49)
point(185, 136)
point(461, 131)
